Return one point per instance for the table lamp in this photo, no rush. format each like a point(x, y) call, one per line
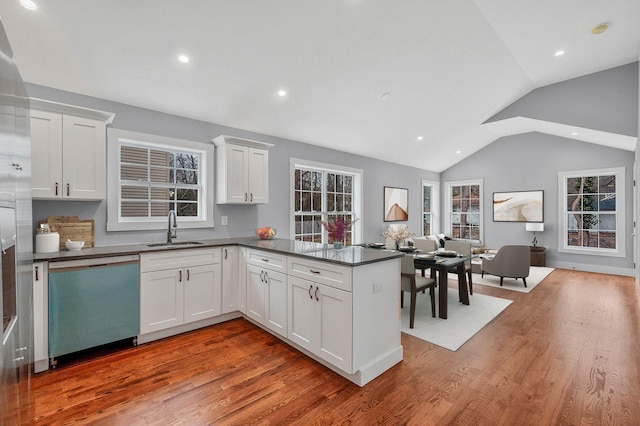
point(534, 227)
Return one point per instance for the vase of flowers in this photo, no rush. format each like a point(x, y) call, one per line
point(337, 229)
point(396, 234)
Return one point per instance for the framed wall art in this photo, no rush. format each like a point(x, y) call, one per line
point(522, 206)
point(396, 204)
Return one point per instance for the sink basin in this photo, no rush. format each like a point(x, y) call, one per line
point(176, 244)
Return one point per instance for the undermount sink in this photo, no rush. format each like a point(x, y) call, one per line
point(176, 244)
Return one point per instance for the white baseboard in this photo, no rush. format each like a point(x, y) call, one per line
point(627, 272)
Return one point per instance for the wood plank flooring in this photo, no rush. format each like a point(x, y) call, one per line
point(568, 353)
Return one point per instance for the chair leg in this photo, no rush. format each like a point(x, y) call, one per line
point(412, 314)
point(401, 299)
point(481, 274)
point(524, 281)
point(433, 302)
point(501, 278)
point(470, 281)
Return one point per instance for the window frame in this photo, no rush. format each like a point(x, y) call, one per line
point(448, 206)
point(118, 137)
point(620, 212)
point(356, 200)
point(435, 205)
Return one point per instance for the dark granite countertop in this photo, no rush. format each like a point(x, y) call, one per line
point(348, 256)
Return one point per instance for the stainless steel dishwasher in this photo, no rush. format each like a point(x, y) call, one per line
point(92, 302)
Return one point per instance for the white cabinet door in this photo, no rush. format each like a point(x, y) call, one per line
point(237, 174)
point(84, 158)
point(202, 292)
point(256, 293)
point(301, 322)
point(230, 280)
point(162, 300)
point(258, 178)
point(46, 154)
point(276, 302)
point(334, 326)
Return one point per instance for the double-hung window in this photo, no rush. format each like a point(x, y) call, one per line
point(430, 207)
point(149, 178)
point(320, 193)
point(592, 211)
point(463, 215)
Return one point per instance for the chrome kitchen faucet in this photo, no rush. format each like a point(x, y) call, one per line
point(171, 235)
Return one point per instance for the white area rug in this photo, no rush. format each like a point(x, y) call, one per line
point(462, 323)
point(536, 275)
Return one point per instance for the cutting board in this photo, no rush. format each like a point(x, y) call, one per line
point(72, 228)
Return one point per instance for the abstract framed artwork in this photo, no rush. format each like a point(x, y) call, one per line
point(522, 206)
point(396, 204)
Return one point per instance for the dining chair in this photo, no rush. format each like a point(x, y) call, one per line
point(463, 248)
point(414, 284)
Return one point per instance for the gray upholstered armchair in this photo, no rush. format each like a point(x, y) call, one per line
point(509, 261)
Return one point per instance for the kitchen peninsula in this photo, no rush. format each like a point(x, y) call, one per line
point(340, 307)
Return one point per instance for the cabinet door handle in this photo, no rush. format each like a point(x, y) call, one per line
point(179, 276)
point(266, 278)
point(188, 275)
point(316, 293)
point(245, 197)
point(225, 254)
point(56, 188)
point(310, 295)
point(67, 190)
point(262, 276)
point(252, 197)
point(314, 272)
point(37, 279)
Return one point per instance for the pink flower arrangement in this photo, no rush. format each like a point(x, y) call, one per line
point(336, 228)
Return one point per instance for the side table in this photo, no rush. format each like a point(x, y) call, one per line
point(538, 257)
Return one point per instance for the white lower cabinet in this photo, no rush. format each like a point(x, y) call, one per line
point(320, 321)
point(230, 279)
point(179, 287)
point(266, 290)
point(40, 317)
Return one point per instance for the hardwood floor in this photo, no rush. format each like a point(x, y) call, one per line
point(568, 353)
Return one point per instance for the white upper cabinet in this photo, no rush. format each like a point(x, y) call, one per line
point(242, 171)
point(68, 151)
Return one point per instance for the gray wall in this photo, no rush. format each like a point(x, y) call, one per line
point(531, 161)
point(606, 101)
point(242, 219)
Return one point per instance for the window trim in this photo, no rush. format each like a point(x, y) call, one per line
point(620, 250)
point(435, 205)
point(357, 198)
point(448, 201)
point(114, 139)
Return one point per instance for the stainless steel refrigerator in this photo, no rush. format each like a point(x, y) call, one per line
point(16, 244)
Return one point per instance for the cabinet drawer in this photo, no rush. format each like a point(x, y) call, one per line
point(267, 260)
point(321, 272)
point(172, 259)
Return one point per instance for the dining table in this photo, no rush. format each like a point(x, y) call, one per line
point(442, 265)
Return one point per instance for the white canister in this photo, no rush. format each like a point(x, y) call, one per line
point(47, 242)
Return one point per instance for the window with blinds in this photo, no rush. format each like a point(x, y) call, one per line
point(154, 181)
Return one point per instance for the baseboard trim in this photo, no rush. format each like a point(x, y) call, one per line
point(627, 272)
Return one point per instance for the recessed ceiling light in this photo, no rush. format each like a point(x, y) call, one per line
point(183, 58)
point(599, 29)
point(559, 53)
point(420, 138)
point(28, 4)
point(282, 93)
point(574, 133)
point(386, 96)
point(458, 152)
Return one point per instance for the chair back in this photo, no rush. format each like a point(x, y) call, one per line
point(461, 247)
point(513, 260)
point(407, 266)
point(424, 244)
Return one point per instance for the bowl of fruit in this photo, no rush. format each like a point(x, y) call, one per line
point(266, 233)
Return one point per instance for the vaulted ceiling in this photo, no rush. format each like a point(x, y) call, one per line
point(407, 81)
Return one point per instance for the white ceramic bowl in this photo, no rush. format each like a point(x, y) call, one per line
point(74, 245)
